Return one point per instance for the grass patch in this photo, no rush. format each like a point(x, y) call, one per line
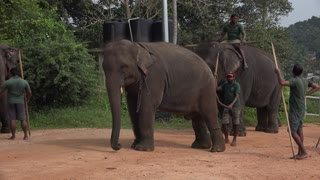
point(96, 113)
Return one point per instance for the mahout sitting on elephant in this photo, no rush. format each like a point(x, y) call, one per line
point(166, 77)
point(8, 59)
point(259, 87)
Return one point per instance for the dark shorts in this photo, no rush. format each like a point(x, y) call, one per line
point(296, 120)
point(16, 112)
point(233, 113)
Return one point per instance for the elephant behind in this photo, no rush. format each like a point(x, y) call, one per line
point(161, 76)
point(8, 59)
point(259, 86)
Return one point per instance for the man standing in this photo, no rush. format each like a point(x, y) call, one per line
point(234, 31)
point(231, 101)
point(17, 87)
point(298, 90)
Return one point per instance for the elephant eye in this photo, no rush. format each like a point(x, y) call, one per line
point(123, 68)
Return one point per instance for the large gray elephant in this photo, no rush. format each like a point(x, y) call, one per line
point(8, 59)
point(259, 86)
point(161, 76)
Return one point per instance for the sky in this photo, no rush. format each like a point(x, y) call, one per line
point(302, 10)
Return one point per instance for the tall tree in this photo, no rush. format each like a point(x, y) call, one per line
point(58, 67)
point(305, 35)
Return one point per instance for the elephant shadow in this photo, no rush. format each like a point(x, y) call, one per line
point(98, 144)
point(103, 145)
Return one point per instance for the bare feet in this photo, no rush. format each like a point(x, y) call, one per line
point(234, 143)
point(294, 157)
point(25, 138)
point(302, 156)
point(12, 138)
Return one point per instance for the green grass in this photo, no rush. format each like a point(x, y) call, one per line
point(97, 114)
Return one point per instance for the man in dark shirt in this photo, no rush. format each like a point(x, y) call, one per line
point(298, 90)
point(17, 87)
point(231, 101)
point(234, 30)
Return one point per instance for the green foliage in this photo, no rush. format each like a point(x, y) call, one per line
point(59, 69)
point(305, 35)
point(96, 113)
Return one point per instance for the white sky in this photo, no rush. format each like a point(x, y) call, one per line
point(302, 10)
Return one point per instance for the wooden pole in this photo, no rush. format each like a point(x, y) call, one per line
point(216, 68)
point(318, 142)
point(284, 103)
point(25, 101)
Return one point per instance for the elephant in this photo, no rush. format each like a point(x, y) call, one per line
point(259, 85)
point(166, 77)
point(8, 59)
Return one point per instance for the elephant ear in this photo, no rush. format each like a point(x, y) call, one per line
point(12, 57)
point(144, 58)
point(231, 60)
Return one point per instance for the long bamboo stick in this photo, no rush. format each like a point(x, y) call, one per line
point(25, 102)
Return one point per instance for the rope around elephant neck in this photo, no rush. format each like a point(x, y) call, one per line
point(139, 96)
point(141, 82)
point(216, 76)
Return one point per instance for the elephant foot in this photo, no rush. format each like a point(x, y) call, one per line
point(140, 146)
point(218, 144)
point(202, 138)
point(260, 128)
point(201, 144)
point(242, 133)
point(5, 130)
point(271, 130)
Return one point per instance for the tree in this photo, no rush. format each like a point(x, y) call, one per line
point(305, 36)
point(58, 67)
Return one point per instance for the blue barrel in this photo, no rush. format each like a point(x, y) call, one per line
point(141, 30)
point(115, 30)
point(157, 30)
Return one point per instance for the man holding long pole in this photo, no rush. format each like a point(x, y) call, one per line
point(298, 90)
point(17, 87)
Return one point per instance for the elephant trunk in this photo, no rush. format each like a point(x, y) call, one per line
point(114, 94)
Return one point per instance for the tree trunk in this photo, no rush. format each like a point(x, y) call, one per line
point(127, 8)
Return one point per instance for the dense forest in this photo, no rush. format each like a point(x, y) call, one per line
point(55, 36)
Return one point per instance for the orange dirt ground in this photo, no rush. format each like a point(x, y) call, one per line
point(76, 154)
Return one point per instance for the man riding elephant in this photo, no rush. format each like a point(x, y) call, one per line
point(234, 31)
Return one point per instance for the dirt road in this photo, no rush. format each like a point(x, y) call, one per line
point(76, 154)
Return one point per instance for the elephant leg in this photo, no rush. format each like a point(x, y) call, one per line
point(5, 128)
point(202, 140)
point(210, 115)
point(273, 124)
point(144, 125)
point(262, 116)
point(134, 117)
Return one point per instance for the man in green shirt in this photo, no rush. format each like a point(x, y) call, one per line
point(298, 90)
point(16, 87)
point(234, 30)
point(231, 101)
